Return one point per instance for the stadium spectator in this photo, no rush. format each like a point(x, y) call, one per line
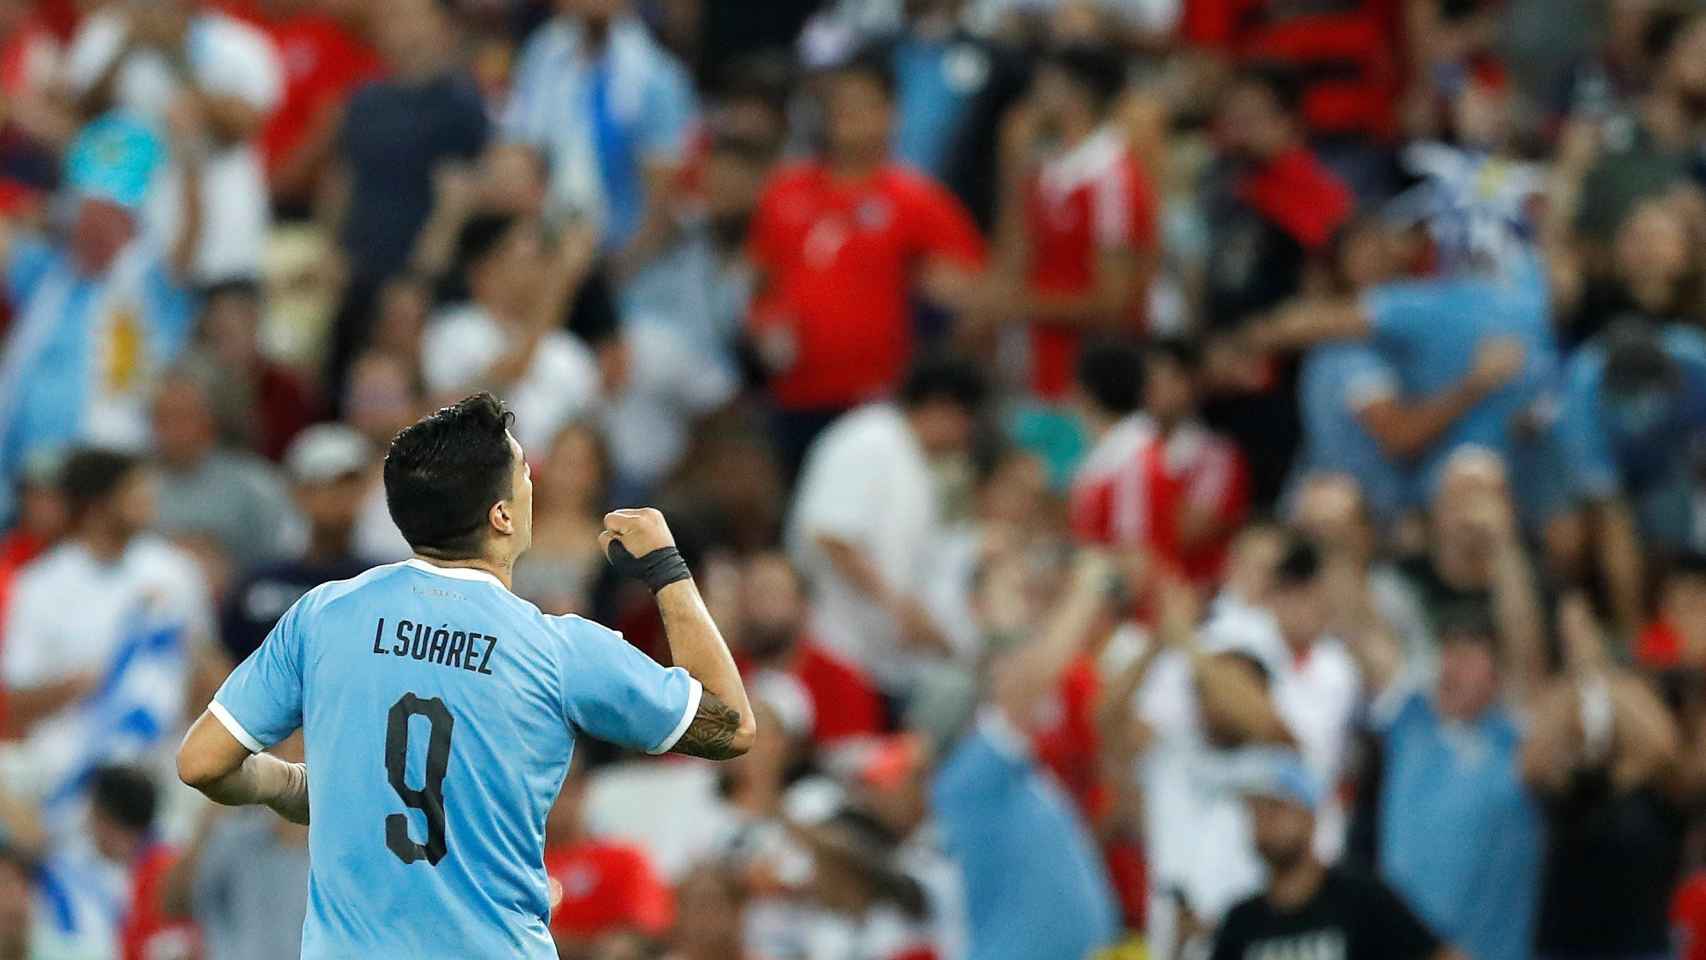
point(571, 496)
point(599, 889)
point(611, 108)
point(120, 864)
point(1635, 417)
point(841, 244)
point(397, 134)
point(1655, 275)
point(40, 523)
point(873, 908)
point(508, 334)
point(325, 55)
point(101, 634)
point(260, 404)
point(1078, 219)
point(772, 635)
point(234, 499)
point(866, 520)
point(1451, 762)
point(154, 59)
point(330, 468)
point(1603, 753)
point(1156, 479)
point(1648, 150)
point(1271, 210)
point(100, 314)
point(1357, 419)
point(243, 877)
point(1308, 905)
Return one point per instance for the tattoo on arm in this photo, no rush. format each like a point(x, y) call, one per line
point(712, 732)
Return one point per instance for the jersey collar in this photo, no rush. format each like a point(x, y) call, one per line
point(454, 573)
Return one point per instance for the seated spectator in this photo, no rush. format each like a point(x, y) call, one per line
point(155, 59)
point(599, 888)
point(1452, 767)
point(1079, 228)
point(611, 108)
point(841, 243)
point(259, 403)
point(101, 635)
point(507, 335)
point(1604, 754)
point(330, 468)
point(397, 134)
point(571, 494)
point(235, 499)
point(99, 315)
point(1634, 428)
point(865, 521)
point(1306, 902)
point(1156, 480)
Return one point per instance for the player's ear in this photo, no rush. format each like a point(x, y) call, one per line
point(500, 517)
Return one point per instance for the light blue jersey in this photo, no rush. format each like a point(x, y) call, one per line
point(440, 712)
point(1336, 381)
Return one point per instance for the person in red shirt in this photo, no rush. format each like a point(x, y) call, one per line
point(842, 243)
point(325, 54)
point(772, 636)
point(1157, 478)
point(1351, 50)
point(122, 804)
point(599, 888)
point(1082, 225)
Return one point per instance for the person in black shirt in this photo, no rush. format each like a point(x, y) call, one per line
point(1311, 911)
point(330, 466)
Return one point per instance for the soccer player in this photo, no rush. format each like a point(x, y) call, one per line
point(440, 711)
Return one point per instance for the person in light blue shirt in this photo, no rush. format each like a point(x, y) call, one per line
point(100, 314)
point(1335, 385)
point(440, 711)
point(612, 110)
point(1477, 346)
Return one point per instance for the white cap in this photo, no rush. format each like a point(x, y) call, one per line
point(325, 452)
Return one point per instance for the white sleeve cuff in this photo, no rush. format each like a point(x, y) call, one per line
point(695, 692)
point(233, 727)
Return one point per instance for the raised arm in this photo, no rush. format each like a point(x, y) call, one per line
point(1406, 428)
point(1027, 675)
point(639, 544)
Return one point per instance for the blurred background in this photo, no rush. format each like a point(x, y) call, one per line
point(1064, 405)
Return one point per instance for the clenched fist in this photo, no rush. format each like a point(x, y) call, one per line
point(640, 529)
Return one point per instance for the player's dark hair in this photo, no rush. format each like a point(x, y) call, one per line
point(124, 795)
point(444, 472)
point(944, 376)
point(871, 62)
point(1110, 372)
point(1092, 66)
point(92, 475)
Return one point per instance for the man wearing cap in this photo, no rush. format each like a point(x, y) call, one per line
point(330, 469)
point(1634, 425)
point(100, 312)
point(1310, 911)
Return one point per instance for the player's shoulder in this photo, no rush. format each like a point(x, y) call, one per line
point(326, 594)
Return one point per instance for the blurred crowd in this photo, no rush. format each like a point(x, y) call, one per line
point(1182, 478)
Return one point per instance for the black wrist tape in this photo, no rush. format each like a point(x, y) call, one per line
point(657, 569)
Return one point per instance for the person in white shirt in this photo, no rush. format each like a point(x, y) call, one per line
point(154, 57)
point(101, 633)
point(866, 523)
point(508, 337)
